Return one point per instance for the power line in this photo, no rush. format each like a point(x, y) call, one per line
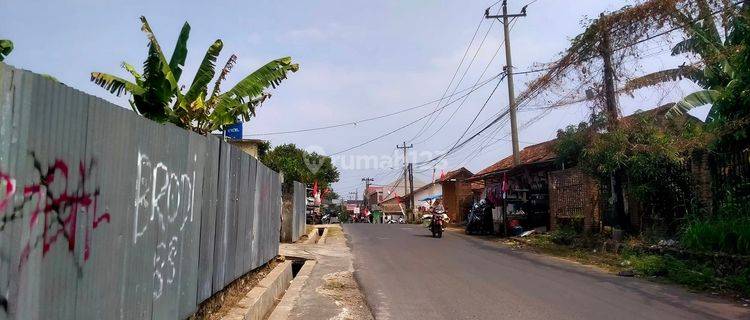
point(466, 98)
point(429, 123)
point(406, 125)
point(458, 68)
point(472, 121)
point(356, 122)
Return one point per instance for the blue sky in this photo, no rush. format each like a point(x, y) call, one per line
point(358, 59)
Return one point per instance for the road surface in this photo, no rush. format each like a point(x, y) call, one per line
point(406, 274)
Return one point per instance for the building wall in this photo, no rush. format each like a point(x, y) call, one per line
point(248, 147)
point(458, 199)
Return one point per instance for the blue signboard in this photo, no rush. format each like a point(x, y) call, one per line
point(234, 131)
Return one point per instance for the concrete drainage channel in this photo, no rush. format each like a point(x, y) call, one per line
point(284, 282)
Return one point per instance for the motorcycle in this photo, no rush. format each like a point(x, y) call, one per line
point(479, 220)
point(436, 223)
point(326, 219)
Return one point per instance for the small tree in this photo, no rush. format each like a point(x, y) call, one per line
point(158, 96)
point(293, 163)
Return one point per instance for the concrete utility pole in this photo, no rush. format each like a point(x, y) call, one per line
point(509, 73)
point(355, 193)
point(613, 114)
point(406, 169)
point(411, 186)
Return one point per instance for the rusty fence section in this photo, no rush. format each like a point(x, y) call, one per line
point(104, 214)
point(574, 198)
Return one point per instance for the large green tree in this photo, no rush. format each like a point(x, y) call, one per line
point(157, 95)
point(299, 165)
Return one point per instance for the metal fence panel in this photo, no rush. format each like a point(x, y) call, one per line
point(208, 220)
point(107, 215)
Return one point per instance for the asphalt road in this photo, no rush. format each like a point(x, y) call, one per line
point(406, 274)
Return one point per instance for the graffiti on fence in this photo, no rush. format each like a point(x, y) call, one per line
point(163, 198)
point(8, 190)
point(59, 202)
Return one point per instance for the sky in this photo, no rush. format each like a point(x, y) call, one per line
point(358, 59)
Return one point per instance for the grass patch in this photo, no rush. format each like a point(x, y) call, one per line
point(699, 276)
point(579, 250)
point(720, 234)
point(695, 275)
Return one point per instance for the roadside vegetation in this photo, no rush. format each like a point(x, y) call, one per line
point(299, 165)
point(158, 95)
point(681, 237)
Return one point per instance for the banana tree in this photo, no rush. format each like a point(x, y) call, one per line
point(721, 66)
point(157, 95)
point(6, 46)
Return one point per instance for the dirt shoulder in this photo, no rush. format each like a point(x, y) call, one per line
point(331, 292)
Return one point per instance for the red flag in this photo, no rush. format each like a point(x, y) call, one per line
point(442, 175)
point(315, 188)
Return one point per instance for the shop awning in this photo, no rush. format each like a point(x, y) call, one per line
point(433, 197)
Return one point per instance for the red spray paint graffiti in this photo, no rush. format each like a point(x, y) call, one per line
point(58, 207)
point(8, 191)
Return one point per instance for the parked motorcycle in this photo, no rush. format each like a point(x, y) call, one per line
point(479, 220)
point(326, 219)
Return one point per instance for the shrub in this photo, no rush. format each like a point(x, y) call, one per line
point(649, 265)
point(691, 274)
point(563, 236)
point(728, 231)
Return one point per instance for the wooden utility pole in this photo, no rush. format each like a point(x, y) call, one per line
point(509, 74)
point(610, 100)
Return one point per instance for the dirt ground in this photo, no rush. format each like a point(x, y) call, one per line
point(342, 287)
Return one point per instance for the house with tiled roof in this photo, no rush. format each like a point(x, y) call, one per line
point(457, 193)
point(522, 192)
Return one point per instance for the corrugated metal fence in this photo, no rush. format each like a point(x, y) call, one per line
point(300, 210)
point(293, 223)
point(107, 215)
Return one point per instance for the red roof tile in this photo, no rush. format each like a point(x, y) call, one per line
point(540, 152)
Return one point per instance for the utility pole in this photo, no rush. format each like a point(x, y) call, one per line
point(610, 99)
point(355, 193)
point(411, 186)
point(509, 74)
point(367, 181)
point(406, 168)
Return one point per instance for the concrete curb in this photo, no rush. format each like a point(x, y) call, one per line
point(312, 237)
point(284, 308)
point(323, 237)
point(259, 301)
